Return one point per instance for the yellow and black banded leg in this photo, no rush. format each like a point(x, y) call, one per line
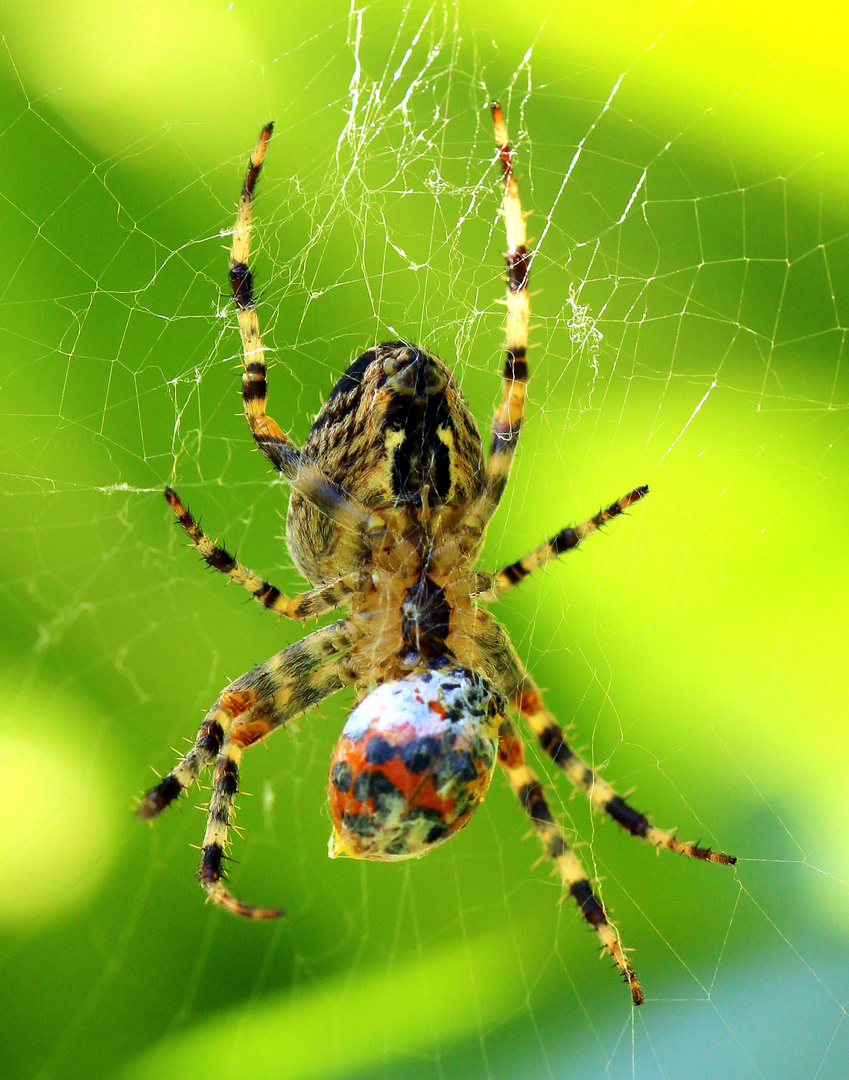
point(287, 458)
point(511, 755)
point(551, 737)
point(507, 423)
point(258, 721)
point(566, 540)
point(289, 678)
point(203, 753)
point(308, 605)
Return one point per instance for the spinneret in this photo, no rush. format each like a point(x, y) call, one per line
point(390, 500)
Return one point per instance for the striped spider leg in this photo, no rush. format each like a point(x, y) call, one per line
point(526, 698)
point(507, 422)
point(491, 586)
point(291, 462)
point(263, 699)
point(523, 693)
point(565, 540)
point(573, 876)
point(307, 605)
point(499, 658)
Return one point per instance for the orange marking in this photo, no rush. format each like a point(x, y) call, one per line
point(249, 732)
point(174, 502)
point(352, 752)
point(417, 788)
point(264, 426)
point(235, 702)
point(438, 708)
point(501, 137)
point(528, 702)
point(510, 753)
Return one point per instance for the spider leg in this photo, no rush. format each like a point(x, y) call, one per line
point(290, 461)
point(529, 790)
point(507, 422)
point(288, 700)
point(551, 737)
point(308, 605)
point(290, 679)
point(566, 540)
point(497, 659)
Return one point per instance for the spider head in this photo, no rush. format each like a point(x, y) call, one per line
point(412, 764)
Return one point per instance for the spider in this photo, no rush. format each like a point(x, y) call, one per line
point(390, 500)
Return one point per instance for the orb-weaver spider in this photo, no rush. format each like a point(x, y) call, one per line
point(390, 501)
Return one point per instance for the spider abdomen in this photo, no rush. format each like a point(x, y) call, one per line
point(412, 765)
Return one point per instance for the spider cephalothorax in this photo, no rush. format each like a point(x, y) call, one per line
point(390, 500)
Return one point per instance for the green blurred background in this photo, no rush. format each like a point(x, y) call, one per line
point(690, 317)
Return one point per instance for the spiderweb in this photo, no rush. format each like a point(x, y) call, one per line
point(689, 321)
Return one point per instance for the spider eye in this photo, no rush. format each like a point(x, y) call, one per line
point(412, 764)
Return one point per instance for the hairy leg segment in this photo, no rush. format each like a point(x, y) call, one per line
point(265, 698)
point(287, 459)
point(507, 422)
point(529, 791)
point(307, 605)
